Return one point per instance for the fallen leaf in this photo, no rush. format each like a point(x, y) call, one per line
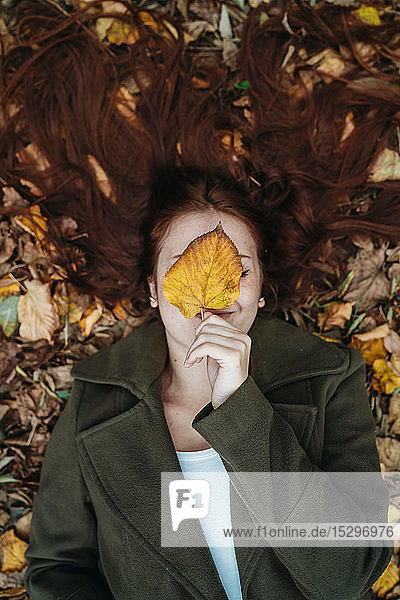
point(117, 31)
point(371, 349)
point(14, 593)
point(195, 29)
point(393, 513)
point(12, 550)
point(379, 332)
point(387, 580)
point(389, 452)
point(67, 307)
point(362, 241)
point(388, 380)
point(37, 312)
point(394, 407)
point(119, 309)
point(126, 103)
point(393, 254)
point(35, 224)
point(206, 275)
point(369, 284)
point(368, 14)
point(89, 319)
point(336, 314)
point(348, 126)
point(325, 337)
point(120, 32)
point(61, 376)
point(224, 25)
point(328, 62)
point(31, 154)
point(7, 243)
point(12, 198)
point(9, 314)
point(8, 286)
point(392, 342)
point(102, 178)
point(232, 141)
point(386, 166)
point(394, 363)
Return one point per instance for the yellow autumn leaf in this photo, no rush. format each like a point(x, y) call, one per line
point(35, 224)
point(119, 309)
point(12, 549)
point(16, 593)
point(8, 286)
point(206, 275)
point(233, 141)
point(66, 306)
point(326, 337)
point(368, 14)
point(37, 312)
point(371, 349)
point(388, 380)
point(120, 32)
point(89, 319)
point(387, 580)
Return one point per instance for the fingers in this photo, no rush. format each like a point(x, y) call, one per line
point(227, 354)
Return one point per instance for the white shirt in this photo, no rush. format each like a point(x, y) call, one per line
point(219, 515)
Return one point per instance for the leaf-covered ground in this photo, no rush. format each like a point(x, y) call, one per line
point(46, 326)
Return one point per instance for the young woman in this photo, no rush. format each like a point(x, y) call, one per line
point(258, 394)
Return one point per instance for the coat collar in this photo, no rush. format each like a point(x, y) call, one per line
point(139, 445)
point(281, 353)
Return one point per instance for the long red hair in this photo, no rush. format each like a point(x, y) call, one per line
point(296, 172)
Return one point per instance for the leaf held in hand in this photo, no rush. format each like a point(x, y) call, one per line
point(206, 275)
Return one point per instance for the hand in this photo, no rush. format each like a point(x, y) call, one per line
point(227, 349)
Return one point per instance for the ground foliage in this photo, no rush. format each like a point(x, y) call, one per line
point(46, 325)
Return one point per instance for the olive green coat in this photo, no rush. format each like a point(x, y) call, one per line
point(95, 531)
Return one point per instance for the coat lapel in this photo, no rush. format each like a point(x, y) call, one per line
point(125, 454)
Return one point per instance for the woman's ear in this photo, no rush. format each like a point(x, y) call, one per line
point(152, 286)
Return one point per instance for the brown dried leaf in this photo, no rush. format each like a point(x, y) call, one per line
point(336, 314)
point(102, 179)
point(389, 452)
point(37, 312)
point(32, 154)
point(369, 283)
point(386, 166)
point(392, 342)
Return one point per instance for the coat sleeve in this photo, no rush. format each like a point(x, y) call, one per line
point(62, 553)
point(264, 441)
